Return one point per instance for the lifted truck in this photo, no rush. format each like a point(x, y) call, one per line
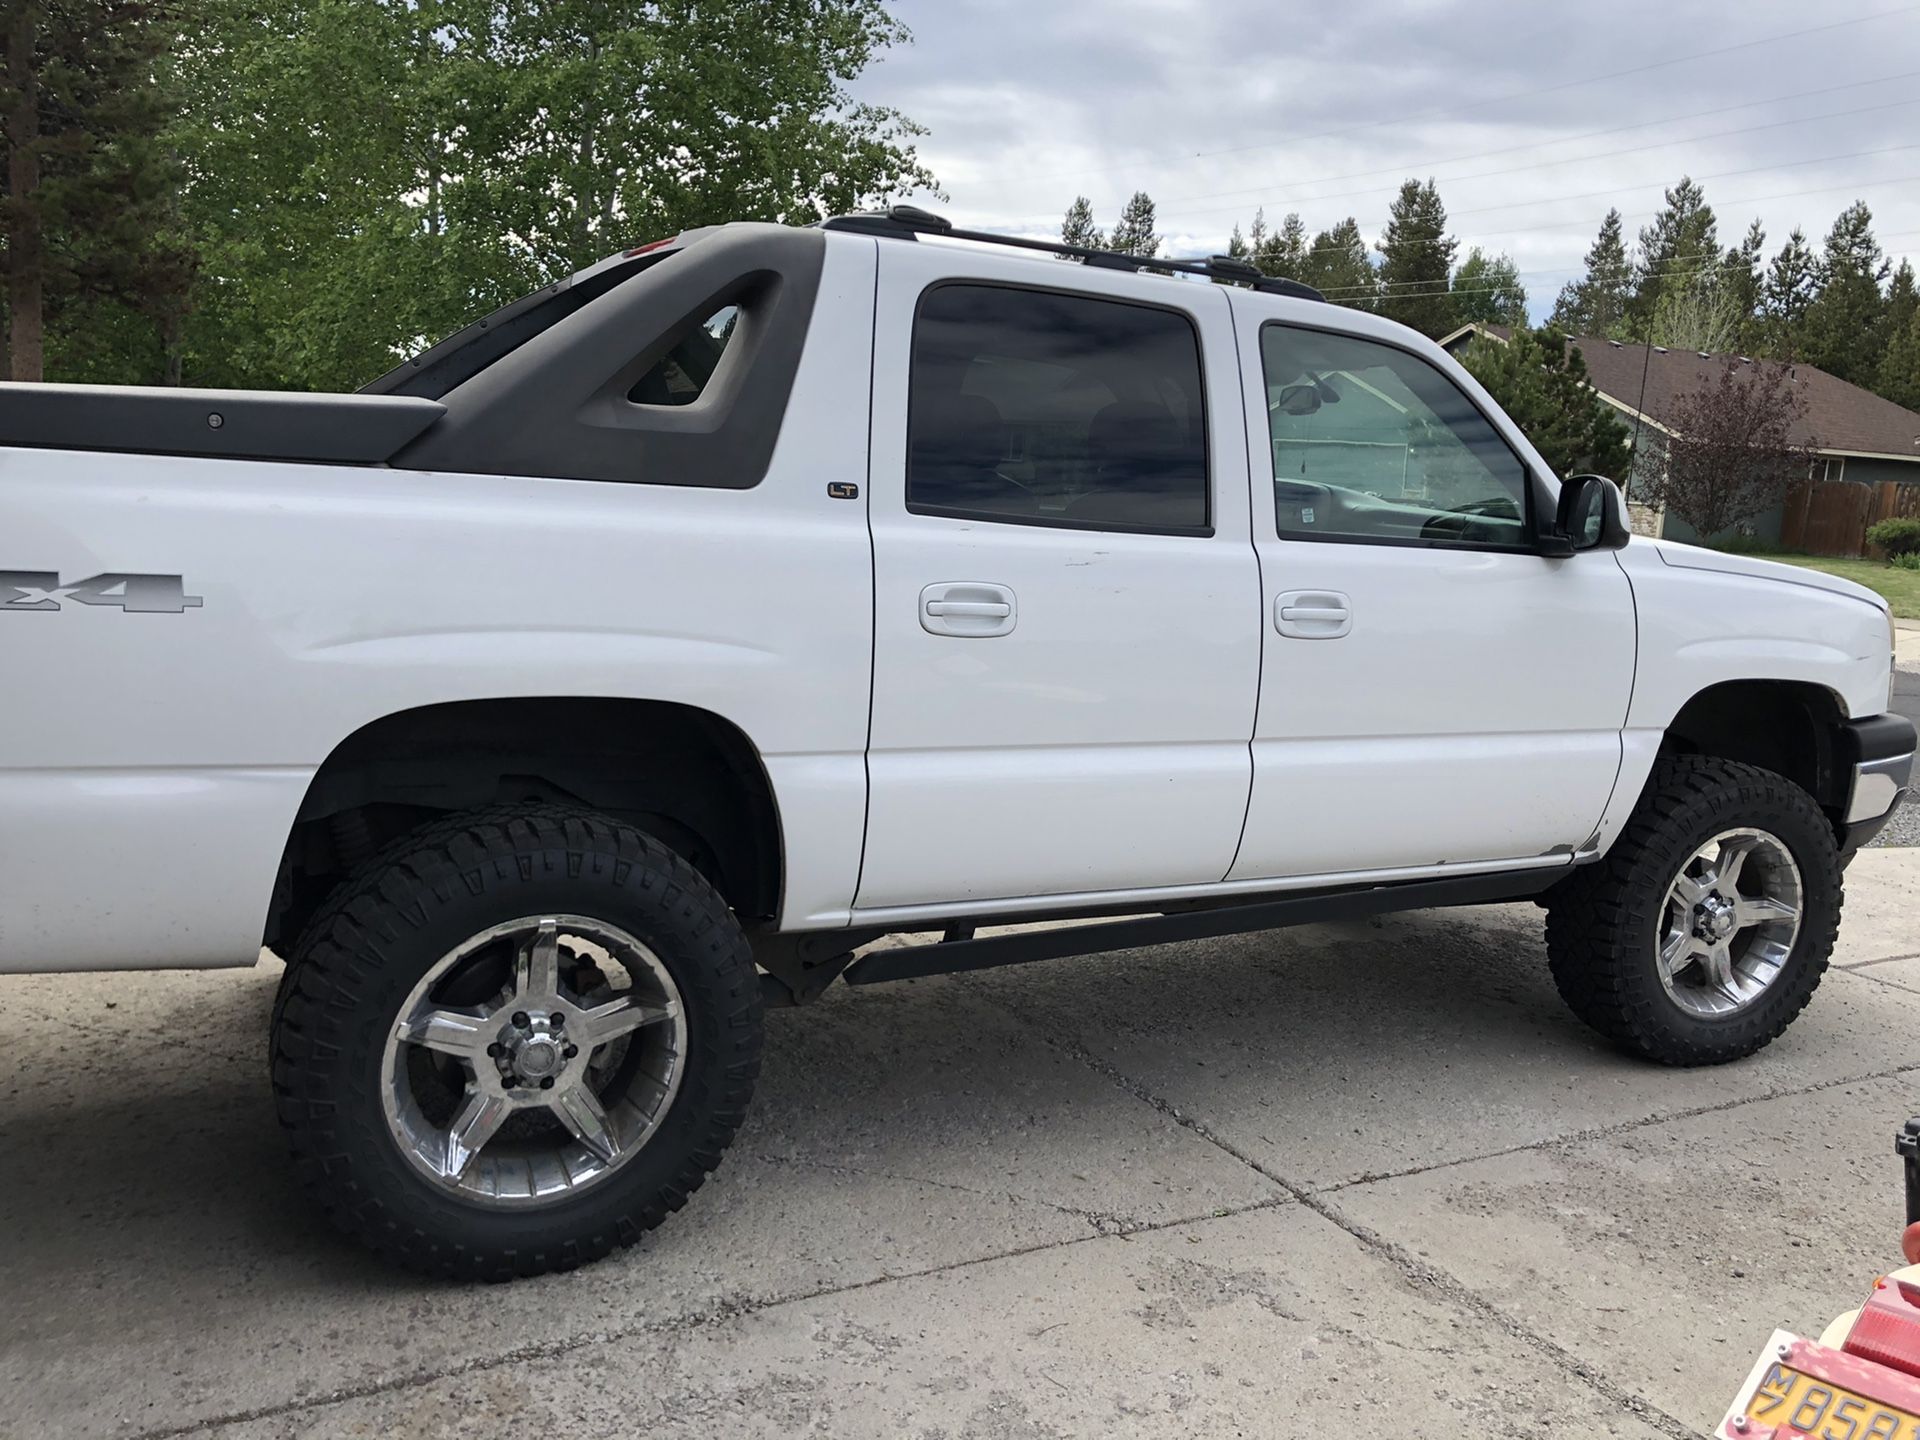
point(633, 657)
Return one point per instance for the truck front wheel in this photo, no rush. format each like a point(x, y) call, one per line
point(1706, 928)
point(516, 1040)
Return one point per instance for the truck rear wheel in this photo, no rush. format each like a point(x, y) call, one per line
point(1706, 928)
point(516, 1040)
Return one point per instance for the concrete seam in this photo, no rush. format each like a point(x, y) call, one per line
point(1620, 1127)
point(725, 1309)
point(1420, 1274)
point(1883, 960)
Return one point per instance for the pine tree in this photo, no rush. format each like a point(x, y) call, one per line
point(1134, 235)
point(1739, 283)
point(1597, 304)
point(1792, 280)
point(1899, 376)
point(1682, 241)
point(89, 200)
point(1844, 333)
point(1338, 266)
point(1903, 299)
point(1284, 251)
point(1417, 260)
point(1078, 228)
point(1487, 289)
point(1237, 245)
point(1541, 381)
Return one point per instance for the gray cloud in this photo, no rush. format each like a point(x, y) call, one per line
point(1216, 109)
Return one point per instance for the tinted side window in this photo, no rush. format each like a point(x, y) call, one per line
point(1041, 408)
point(1372, 443)
point(679, 376)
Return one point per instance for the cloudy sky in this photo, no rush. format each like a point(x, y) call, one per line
point(1533, 118)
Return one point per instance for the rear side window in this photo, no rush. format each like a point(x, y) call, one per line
point(680, 376)
point(1039, 408)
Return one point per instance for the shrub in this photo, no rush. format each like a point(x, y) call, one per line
point(1906, 559)
point(1896, 537)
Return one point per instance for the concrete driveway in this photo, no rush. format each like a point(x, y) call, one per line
point(1343, 1181)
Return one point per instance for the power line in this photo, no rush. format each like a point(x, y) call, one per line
point(1542, 200)
point(1470, 240)
point(1414, 289)
point(1406, 167)
point(1577, 159)
point(1417, 289)
point(1566, 84)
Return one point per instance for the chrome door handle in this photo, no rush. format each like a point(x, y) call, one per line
point(995, 609)
point(967, 609)
point(1312, 614)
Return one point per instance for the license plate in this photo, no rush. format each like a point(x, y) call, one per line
point(1813, 1406)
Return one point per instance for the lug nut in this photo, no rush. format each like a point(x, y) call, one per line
point(557, 1019)
point(571, 1051)
point(520, 1018)
point(494, 1050)
point(546, 1082)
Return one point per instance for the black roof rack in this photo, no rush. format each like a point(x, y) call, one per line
point(905, 222)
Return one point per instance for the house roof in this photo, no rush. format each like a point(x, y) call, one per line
point(1839, 418)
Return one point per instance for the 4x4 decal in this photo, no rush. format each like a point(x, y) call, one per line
point(41, 591)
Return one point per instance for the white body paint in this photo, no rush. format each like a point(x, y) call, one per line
point(1141, 733)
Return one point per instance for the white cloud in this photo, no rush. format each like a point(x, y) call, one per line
point(1219, 108)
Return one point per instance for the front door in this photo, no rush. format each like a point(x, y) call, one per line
point(1065, 654)
point(1434, 692)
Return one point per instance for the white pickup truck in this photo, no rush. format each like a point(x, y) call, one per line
point(634, 657)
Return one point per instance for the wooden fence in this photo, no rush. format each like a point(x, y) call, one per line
point(1831, 517)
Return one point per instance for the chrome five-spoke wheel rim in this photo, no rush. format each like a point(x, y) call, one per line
point(533, 1060)
point(1729, 923)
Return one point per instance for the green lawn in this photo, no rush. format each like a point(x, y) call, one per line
point(1900, 587)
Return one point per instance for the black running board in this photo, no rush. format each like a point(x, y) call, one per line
point(948, 956)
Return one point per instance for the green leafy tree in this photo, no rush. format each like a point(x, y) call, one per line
point(1338, 266)
point(1682, 241)
point(1416, 260)
point(1134, 234)
point(93, 267)
point(366, 175)
point(1597, 303)
point(1541, 381)
point(1844, 331)
point(1791, 282)
point(1487, 288)
point(1078, 228)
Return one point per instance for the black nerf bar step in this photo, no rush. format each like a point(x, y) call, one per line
point(950, 956)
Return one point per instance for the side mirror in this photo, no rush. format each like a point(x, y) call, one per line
point(1301, 399)
point(1592, 515)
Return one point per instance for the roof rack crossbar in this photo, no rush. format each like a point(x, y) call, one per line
point(906, 222)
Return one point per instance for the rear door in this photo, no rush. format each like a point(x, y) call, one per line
point(1066, 646)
